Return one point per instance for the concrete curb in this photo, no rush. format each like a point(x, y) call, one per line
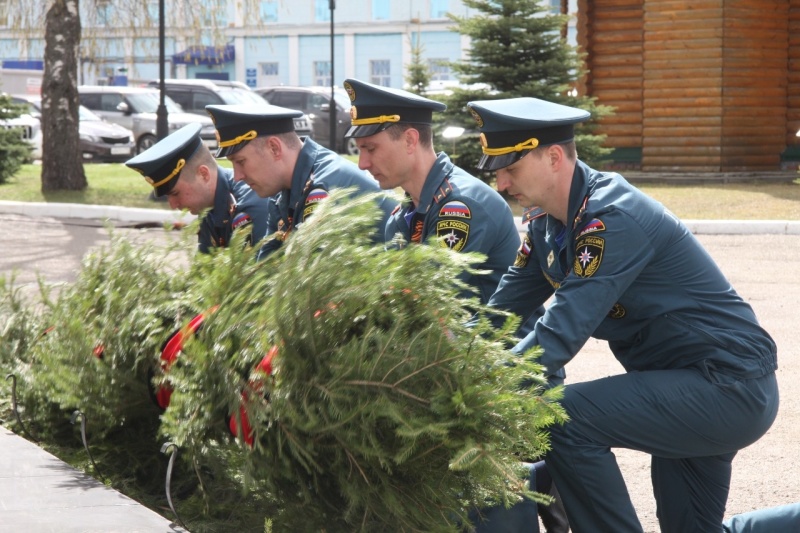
point(142, 215)
point(98, 212)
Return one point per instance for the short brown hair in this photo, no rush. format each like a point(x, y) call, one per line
point(425, 132)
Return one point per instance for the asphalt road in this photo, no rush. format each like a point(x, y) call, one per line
point(759, 266)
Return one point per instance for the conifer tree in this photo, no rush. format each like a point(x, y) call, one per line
point(516, 50)
point(418, 75)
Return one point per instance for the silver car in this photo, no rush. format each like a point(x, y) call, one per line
point(135, 108)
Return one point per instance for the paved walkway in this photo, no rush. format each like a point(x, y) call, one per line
point(132, 215)
point(40, 493)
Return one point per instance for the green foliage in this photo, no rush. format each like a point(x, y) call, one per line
point(517, 50)
point(103, 337)
point(14, 150)
point(418, 75)
point(383, 410)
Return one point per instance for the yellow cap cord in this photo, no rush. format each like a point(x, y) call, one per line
point(249, 136)
point(375, 120)
point(178, 167)
point(530, 144)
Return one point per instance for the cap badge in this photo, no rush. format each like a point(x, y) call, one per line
point(476, 116)
point(353, 113)
point(350, 91)
point(484, 143)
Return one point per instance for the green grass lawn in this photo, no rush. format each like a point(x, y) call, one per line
point(116, 184)
point(109, 184)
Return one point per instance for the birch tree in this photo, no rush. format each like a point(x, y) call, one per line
point(68, 41)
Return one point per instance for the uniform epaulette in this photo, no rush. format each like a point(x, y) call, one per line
point(531, 213)
point(443, 191)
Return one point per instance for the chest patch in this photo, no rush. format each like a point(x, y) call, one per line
point(455, 209)
point(588, 255)
point(617, 312)
point(524, 253)
point(453, 234)
point(313, 198)
point(553, 283)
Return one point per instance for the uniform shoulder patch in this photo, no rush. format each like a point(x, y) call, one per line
point(314, 197)
point(452, 233)
point(593, 226)
point(588, 255)
point(240, 220)
point(524, 252)
point(531, 213)
point(455, 209)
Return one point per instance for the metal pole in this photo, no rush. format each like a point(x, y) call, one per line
point(332, 107)
point(162, 126)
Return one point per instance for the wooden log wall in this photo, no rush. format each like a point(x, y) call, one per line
point(793, 89)
point(610, 32)
point(700, 85)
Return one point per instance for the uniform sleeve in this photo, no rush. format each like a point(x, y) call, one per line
point(204, 243)
point(523, 289)
point(255, 212)
point(213, 235)
point(606, 262)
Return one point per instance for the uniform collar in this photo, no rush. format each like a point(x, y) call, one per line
point(303, 168)
point(436, 186)
point(224, 202)
point(579, 192)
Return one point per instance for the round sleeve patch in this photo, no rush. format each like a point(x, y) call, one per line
point(453, 234)
point(588, 255)
point(524, 252)
point(314, 197)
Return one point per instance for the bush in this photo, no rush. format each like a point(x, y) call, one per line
point(14, 150)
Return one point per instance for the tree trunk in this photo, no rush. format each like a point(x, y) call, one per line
point(62, 165)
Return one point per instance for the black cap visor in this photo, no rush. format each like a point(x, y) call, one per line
point(367, 129)
point(230, 150)
point(163, 190)
point(496, 162)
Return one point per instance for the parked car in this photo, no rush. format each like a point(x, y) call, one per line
point(135, 108)
point(100, 141)
point(29, 129)
point(315, 102)
point(194, 95)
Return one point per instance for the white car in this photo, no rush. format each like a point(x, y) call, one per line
point(30, 129)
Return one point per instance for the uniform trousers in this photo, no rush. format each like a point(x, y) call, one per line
point(691, 421)
point(784, 518)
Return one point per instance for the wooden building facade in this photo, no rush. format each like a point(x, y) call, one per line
point(698, 86)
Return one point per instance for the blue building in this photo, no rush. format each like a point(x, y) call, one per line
point(263, 42)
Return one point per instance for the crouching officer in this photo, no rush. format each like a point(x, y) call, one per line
point(700, 370)
point(181, 167)
point(444, 206)
point(273, 160)
point(443, 203)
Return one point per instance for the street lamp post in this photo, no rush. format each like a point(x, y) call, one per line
point(162, 126)
point(453, 132)
point(332, 106)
